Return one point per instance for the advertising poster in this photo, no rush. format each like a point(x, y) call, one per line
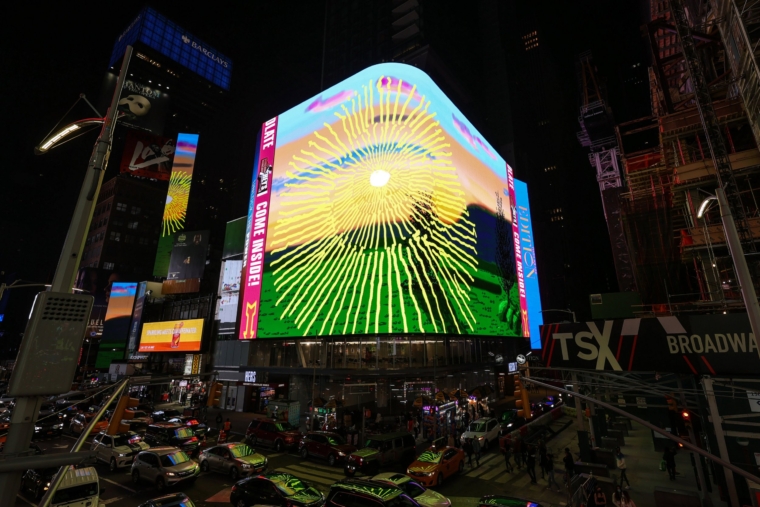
point(144, 105)
point(134, 328)
point(376, 208)
point(188, 258)
point(97, 283)
point(230, 291)
point(120, 300)
point(533, 318)
point(172, 336)
point(147, 156)
point(177, 199)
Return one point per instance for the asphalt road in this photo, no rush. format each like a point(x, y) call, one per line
point(213, 489)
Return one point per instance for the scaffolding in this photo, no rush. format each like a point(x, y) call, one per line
point(699, 136)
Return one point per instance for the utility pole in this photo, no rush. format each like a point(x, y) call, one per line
point(720, 437)
point(27, 408)
point(694, 458)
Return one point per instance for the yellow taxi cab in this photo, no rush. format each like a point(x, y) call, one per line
point(433, 467)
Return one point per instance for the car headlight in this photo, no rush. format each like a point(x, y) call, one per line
point(246, 466)
point(481, 438)
point(341, 454)
point(509, 425)
point(170, 474)
point(428, 474)
point(37, 428)
point(266, 461)
point(121, 455)
point(58, 426)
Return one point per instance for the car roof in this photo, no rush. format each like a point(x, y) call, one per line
point(485, 419)
point(395, 478)
point(367, 487)
point(165, 424)
point(162, 450)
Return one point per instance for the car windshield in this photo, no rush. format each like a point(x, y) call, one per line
point(373, 444)
point(477, 426)
point(284, 426)
point(335, 440)
point(183, 433)
point(120, 440)
point(412, 489)
point(75, 493)
point(241, 451)
point(430, 457)
point(175, 458)
point(289, 485)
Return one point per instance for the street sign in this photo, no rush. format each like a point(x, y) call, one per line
point(754, 401)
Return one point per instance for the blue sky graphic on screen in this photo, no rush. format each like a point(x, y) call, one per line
point(173, 41)
point(530, 271)
point(380, 208)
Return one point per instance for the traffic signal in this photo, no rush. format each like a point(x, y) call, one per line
point(214, 395)
point(115, 425)
point(522, 401)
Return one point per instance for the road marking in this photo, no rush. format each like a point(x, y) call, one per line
point(320, 467)
point(111, 500)
point(481, 469)
point(493, 473)
point(489, 458)
point(117, 484)
point(27, 501)
point(321, 480)
point(317, 472)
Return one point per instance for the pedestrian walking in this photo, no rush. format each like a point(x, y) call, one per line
point(450, 441)
point(508, 456)
point(530, 465)
point(227, 425)
point(622, 467)
point(569, 463)
point(468, 450)
point(476, 449)
point(600, 499)
point(416, 429)
point(669, 457)
point(626, 501)
point(518, 450)
point(617, 496)
point(542, 457)
point(549, 465)
point(219, 421)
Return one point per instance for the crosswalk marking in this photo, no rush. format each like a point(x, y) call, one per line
point(493, 473)
point(317, 472)
point(489, 458)
point(301, 475)
point(112, 500)
point(477, 471)
point(321, 467)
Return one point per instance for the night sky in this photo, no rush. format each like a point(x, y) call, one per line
point(276, 49)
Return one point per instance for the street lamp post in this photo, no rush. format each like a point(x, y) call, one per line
point(740, 261)
point(561, 311)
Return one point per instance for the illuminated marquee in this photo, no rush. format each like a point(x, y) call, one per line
point(374, 208)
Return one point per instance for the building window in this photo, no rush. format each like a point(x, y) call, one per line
point(550, 168)
point(135, 210)
point(117, 223)
point(120, 206)
point(129, 239)
point(132, 225)
point(108, 265)
point(143, 241)
point(115, 236)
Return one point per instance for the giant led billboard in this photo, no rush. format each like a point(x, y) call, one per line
point(378, 208)
point(120, 300)
point(172, 336)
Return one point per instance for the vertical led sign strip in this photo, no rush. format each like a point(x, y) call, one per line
point(176, 199)
point(529, 268)
point(256, 232)
point(518, 254)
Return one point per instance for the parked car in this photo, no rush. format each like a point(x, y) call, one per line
point(70, 398)
point(117, 450)
point(80, 486)
point(277, 434)
point(164, 466)
point(35, 482)
point(194, 424)
point(486, 430)
point(365, 493)
point(415, 490)
point(505, 501)
point(234, 459)
point(80, 421)
point(432, 467)
point(381, 450)
point(172, 500)
point(48, 426)
point(276, 489)
point(172, 434)
point(325, 445)
point(165, 415)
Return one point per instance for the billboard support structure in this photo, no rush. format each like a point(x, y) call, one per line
point(27, 408)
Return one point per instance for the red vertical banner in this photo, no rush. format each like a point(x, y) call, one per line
point(256, 232)
point(518, 253)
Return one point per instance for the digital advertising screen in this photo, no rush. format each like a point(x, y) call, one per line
point(177, 199)
point(120, 299)
point(188, 258)
point(378, 208)
point(171, 336)
point(147, 156)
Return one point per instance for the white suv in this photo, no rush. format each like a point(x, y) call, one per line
point(486, 430)
point(117, 450)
